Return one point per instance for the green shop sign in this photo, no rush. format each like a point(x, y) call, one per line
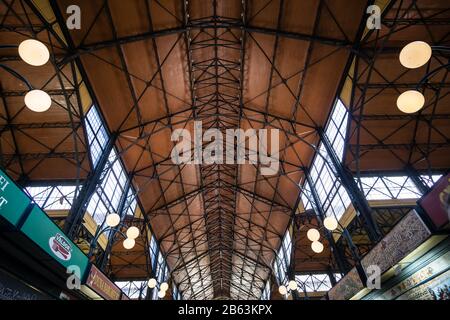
point(13, 201)
point(38, 226)
point(46, 234)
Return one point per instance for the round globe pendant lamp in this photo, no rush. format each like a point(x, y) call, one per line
point(415, 54)
point(38, 100)
point(34, 52)
point(410, 101)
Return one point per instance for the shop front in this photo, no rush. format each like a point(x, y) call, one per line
point(12, 288)
point(427, 278)
point(38, 260)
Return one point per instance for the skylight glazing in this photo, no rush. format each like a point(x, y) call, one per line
point(52, 197)
point(333, 197)
point(283, 260)
point(96, 133)
point(389, 187)
point(319, 282)
point(133, 289)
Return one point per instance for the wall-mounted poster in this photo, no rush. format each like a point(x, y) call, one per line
point(435, 289)
point(436, 203)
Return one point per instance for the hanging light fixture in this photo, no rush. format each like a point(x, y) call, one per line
point(112, 220)
point(415, 54)
point(292, 285)
point(164, 286)
point(161, 294)
point(410, 101)
point(129, 243)
point(282, 290)
point(330, 223)
point(313, 234)
point(132, 232)
point(317, 247)
point(34, 52)
point(151, 283)
point(38, 100)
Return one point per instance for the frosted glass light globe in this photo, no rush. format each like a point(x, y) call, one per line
point(34, 52)
point(129, 243)
point(161, 294)
point(151, 283)
point(317, 247)
point(410, 101)
point(112, 220)
point(164, 286)
point(292, 285)
point(313, 234)
point(132, 232)
point(282, 290)
point(415, 54)
point(330, 223)
point(38, 100)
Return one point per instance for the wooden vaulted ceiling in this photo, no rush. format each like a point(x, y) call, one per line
point(219, 225)
point(381, 137)
point(38, 146)
point(155, 66)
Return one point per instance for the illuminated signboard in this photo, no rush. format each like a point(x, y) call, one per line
point(98, 282)
point(47, 235)
point(13, 201)
point(436, 203)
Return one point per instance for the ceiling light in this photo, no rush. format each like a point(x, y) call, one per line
point(292, 285)
point(151, 283)
point(38, 100)
point(317, 247)
point(410, 101)
point(282, 290)
point(164, 286)
point(330, 223)
point(129, 243)
point(313, 234)
point(34, 52)
point(133, 232)
point(415, 54)
point(161, 294)
point(112, 220)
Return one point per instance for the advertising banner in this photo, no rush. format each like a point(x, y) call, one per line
point(44, 232)
point(436, 203)
point(406, 236)
point(436, 289)
point(98, 282)
point(347, 287)
point(419, 277)
point(13, 201)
